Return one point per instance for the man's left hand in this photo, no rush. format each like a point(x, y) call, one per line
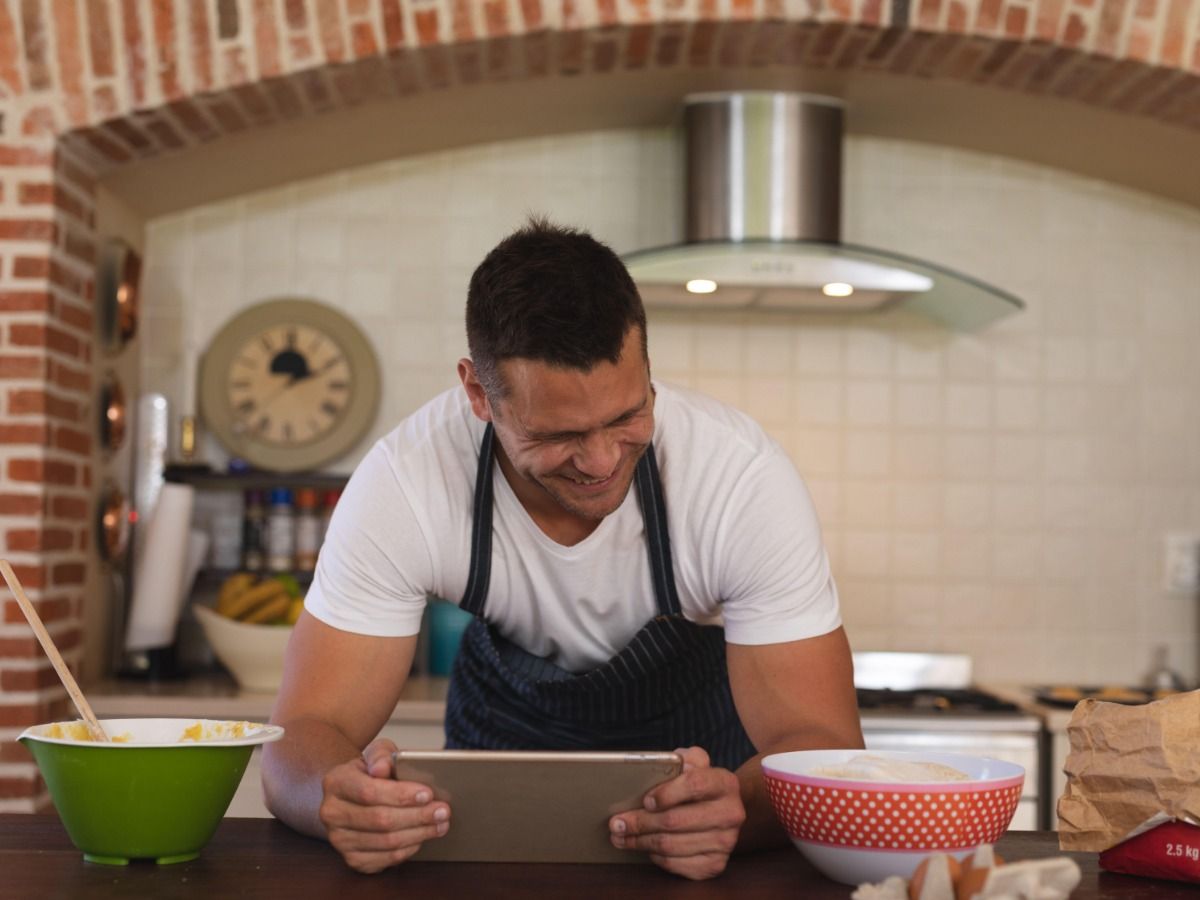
point(689, 825)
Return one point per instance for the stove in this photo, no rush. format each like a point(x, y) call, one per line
point(940, 701)
point(925, 702)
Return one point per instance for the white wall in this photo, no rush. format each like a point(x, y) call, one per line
point(1004, 493)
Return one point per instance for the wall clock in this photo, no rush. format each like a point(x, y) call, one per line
point(289, 385)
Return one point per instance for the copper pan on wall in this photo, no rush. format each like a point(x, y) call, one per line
point(118, 298)
point(113, 415)
point(112, 523)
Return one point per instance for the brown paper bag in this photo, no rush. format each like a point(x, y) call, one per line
point(1130, 769)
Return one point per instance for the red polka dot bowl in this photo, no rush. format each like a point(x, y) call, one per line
point(856, 830)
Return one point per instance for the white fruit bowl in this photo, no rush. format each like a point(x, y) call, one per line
point(252, 653)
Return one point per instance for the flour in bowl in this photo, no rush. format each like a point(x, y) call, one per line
point(867, 767)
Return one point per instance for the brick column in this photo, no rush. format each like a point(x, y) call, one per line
point(47, 254)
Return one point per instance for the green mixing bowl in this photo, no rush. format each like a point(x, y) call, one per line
point(158, 791)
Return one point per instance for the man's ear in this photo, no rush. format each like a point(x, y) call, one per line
point(480, 405)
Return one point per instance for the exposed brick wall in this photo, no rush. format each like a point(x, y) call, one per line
point(130, 81)
point(86, 87)
point(47, 236)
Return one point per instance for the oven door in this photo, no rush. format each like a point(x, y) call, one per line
point(1020, 747)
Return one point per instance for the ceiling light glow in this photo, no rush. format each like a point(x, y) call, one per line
point(837, 289)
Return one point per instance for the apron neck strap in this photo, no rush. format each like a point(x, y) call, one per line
point(480, 572)
point(658, 538)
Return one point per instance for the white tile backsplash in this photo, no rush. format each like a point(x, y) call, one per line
point(919, 404)
point(868, 352)
point(768, 350)
point(769, 399)
point(919, 455)
point(869, 403)
point(820, 350)
point(918, 505)
point(868, 453)
point(1003, 493)
point(968, 406)
point(865, 504)
point(1018, 407)
point(969, 456)
point(819, 401)
point(916, 555)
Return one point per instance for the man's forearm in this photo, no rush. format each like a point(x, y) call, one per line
point(761, 829)
point(294, 767)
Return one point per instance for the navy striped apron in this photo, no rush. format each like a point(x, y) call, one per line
point(668, 688)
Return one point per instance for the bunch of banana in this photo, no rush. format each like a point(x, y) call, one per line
point(272, 600)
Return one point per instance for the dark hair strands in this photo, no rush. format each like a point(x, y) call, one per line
point(553, 294)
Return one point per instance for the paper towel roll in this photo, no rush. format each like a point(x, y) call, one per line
point(165, 569)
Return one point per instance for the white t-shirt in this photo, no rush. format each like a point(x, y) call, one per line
point(744, 537)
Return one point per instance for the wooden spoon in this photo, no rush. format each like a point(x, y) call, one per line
point(60, 666)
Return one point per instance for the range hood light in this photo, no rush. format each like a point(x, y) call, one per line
point(762, 224)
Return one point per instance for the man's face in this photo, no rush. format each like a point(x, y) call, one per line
point(574, 438)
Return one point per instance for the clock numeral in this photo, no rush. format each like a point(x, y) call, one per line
point(266, 342)
point(246, 361)
point(328, 364)
point(290, 339)
point(240, 384)
point(338, 385)
point(287, 432)
point(246, 407)
point(330, 408)
point(263, 424)
point(313, 426)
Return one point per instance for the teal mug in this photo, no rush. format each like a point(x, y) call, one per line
point(446, 626)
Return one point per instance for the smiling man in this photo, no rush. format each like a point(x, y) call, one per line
point(644, 565)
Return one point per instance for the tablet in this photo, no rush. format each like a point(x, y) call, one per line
point(525, 806)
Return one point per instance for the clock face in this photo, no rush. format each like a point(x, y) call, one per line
point(289, 385)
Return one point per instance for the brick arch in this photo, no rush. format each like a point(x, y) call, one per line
point(88, 88)
point(223, 69)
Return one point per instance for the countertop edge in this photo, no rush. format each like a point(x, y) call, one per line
point(421, 702)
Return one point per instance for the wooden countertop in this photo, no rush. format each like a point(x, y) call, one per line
point(261, 858)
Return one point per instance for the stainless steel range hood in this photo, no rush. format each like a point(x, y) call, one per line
point(763, 223)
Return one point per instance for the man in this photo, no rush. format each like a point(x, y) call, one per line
point(597, 605)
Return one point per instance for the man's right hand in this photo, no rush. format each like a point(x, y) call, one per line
point(374, 821)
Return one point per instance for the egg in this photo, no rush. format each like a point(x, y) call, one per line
point(975, 871)
point(934, 878)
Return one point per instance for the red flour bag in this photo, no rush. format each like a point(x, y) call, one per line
point(1170, 850)
point(1133, 786)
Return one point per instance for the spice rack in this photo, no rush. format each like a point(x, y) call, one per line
point(205, 479)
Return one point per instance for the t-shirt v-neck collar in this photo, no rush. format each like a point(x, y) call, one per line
point(512, 508)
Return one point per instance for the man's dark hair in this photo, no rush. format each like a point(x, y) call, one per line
point(552, 294)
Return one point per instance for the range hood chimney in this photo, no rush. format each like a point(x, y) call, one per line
point(763, 223)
